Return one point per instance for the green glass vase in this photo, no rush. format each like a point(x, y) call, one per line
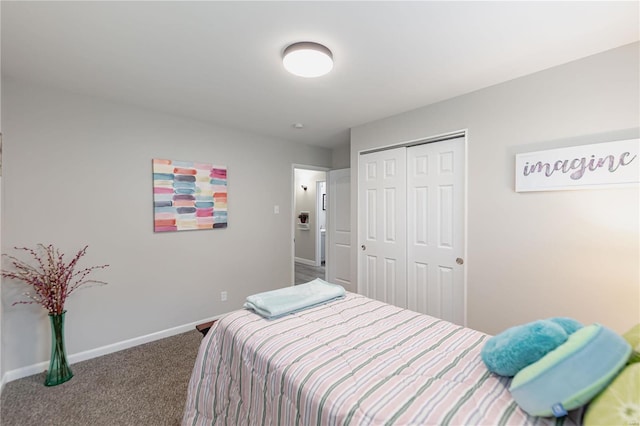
point(59, 370)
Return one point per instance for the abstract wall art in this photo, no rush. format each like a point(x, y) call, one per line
point(188, 195)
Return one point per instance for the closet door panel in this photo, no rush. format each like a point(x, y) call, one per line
point(411, 236)
point(435, 227)
point(382, 233)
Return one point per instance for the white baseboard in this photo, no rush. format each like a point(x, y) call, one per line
point(305, 261)
point(29, 370)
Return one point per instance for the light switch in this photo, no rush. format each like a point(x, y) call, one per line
point(276, 209)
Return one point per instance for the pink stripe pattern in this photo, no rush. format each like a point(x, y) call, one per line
point(354, 361)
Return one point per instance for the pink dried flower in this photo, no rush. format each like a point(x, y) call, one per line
point(51, 280)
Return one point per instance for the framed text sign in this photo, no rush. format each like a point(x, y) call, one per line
point(579, 167)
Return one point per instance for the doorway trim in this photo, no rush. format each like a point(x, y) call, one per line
point(319, 205)
point(292, 228)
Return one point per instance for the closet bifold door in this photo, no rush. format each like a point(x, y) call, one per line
point(382, 226)
point(435, 229)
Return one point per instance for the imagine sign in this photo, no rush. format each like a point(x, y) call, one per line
point(579, 167)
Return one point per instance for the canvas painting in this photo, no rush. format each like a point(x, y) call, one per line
point(188, 195)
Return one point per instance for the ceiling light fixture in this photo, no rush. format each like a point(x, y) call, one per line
point(307, 59)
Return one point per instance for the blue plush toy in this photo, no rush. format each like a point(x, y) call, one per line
point(557, 364)
point(569, 325)
point(517, 347)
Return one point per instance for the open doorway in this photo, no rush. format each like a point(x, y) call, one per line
point(309, 223)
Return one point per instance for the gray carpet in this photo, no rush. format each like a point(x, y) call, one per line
point(144, 385)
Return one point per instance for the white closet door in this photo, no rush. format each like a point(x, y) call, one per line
point(382, 226)
point(435, 222)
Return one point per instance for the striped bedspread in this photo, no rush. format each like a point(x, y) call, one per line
point(354, 361)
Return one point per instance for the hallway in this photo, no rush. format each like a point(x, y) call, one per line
point(305, 273)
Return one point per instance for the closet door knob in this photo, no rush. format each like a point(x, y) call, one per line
point(459, 261)
point(363, 247)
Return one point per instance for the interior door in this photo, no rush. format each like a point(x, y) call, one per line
point(339, 228)
point(435, 222)
point(382, 226)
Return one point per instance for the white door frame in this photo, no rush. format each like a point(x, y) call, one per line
point(335, 237)
point(463, 133)
point(292, 228)
point(318, 257)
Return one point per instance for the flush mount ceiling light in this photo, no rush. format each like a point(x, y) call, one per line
point(307, 59)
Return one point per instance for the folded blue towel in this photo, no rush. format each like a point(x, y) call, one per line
point(276, 303)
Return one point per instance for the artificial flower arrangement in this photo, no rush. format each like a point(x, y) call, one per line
point(52, 280)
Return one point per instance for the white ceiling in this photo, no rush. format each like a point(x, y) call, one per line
point(221, 61)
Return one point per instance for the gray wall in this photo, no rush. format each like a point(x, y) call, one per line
point(77, 171)
point(542, 254)
point(340, 156)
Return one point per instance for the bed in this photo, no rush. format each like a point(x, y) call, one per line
point(353, 361)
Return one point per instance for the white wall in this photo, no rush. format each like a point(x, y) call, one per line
point(542, 254)
point(77, 171)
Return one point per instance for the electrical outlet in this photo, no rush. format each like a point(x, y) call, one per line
point(223, 296)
